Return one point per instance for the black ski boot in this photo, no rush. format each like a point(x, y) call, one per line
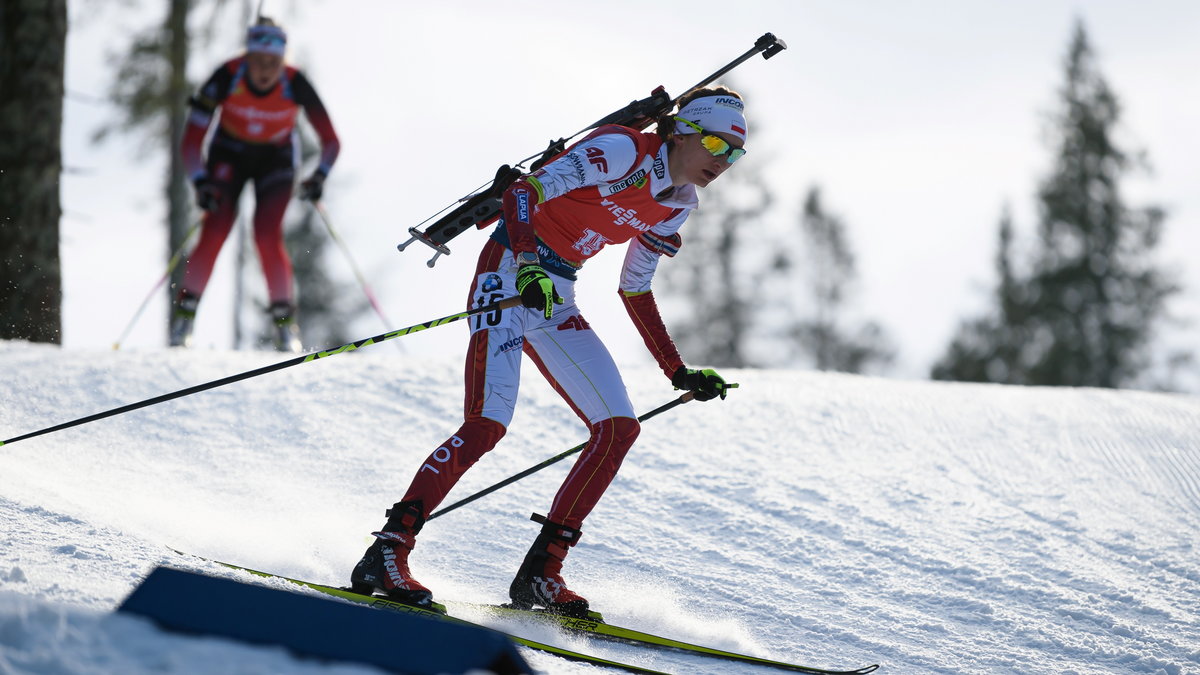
point(183, 320)
point(384, 567)
point(285, 333)
point(539, 581)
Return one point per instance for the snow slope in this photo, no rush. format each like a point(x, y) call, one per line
point(830, 520)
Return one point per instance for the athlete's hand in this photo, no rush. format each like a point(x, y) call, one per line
point(706, 384)
point(537, 290)
point(208, 195)
point(313, 188)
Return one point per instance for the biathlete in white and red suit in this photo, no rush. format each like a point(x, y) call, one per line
point(256, 98)
point(617, 185)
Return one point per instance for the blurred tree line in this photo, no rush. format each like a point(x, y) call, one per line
point(1082, 309)
point(753, 298)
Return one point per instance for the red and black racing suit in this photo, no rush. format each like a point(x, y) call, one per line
point(255, 140)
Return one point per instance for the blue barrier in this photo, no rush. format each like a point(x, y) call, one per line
point(319, 628)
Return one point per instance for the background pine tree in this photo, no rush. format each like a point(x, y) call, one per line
point(33, 35)
point(1086, 312)
point(712, 280)
point(818, 332)
point(151, 90)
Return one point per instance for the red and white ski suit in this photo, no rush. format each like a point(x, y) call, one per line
point(610, 188)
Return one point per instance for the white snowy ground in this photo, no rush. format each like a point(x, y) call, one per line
point(829, 520)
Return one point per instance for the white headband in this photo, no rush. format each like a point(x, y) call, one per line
point(720, 114)
point(266, 39)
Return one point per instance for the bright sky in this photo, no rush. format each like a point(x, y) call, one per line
point(918, 120)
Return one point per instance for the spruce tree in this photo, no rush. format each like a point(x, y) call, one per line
point(1085, 314)
point(711, 274)
point(151, 91)
point(987, 348)
point(822, 337)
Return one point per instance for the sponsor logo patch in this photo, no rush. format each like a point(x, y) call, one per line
point(596, 156)
point(731, 102)
point(492, 282)
point(625, 216)
point(574, 323)
point(577, 164)
point(523, 206)
point(638, 179)
point(510, 345)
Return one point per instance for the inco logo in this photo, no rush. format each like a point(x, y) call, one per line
point(624, 216)
point(660, 170)
point(492, 282)
point(731, 102)
point(575, 323)
point(510, 345)
point(522, 206)
point(638, 179)
point(596, 156)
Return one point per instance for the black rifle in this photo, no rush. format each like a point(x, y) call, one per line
point(483, 207)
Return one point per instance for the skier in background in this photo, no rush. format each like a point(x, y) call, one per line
point(257, 98)
point(616, 185)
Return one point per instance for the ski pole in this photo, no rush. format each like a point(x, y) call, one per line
point(175, 258)
point(357, 273)
point(351, 346)
point(683, 398)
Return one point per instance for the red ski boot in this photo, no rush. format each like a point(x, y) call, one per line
point(539, 581)
point(384, 567)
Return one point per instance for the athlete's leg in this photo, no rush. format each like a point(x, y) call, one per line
point(492, 374)
point(579, 367)
point(227, 174)
point(492, 378)
point(272, 192)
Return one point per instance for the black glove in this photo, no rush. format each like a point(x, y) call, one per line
point(537, 290)
point(208, 194)
point(705, 384)
point(313, 188)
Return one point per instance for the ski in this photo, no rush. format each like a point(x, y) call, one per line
point(595, 626)
point(437, 612)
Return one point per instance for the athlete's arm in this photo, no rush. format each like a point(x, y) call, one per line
point(202, 107)
point(306, 97)
point(641, 261)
